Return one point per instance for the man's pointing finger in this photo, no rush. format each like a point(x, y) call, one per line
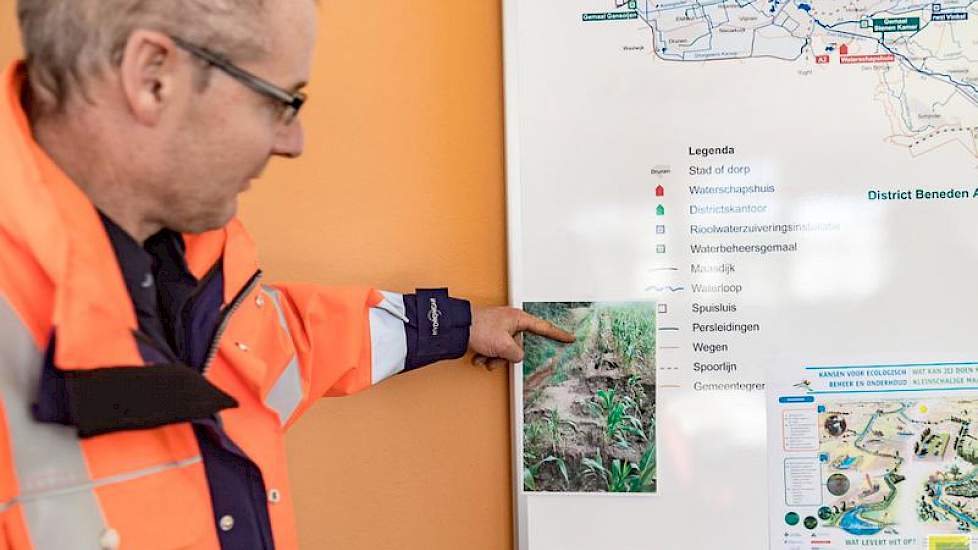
point(536, 325)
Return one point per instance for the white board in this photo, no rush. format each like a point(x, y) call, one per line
point(812, 258)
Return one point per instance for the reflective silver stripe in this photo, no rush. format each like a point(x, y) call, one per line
point(388, 340)
point(393, 303)
point(111, 480)
point(47, 457)
point(286, 394)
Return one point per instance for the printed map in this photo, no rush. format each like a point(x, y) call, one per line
point(924, 54)
point(892, 465)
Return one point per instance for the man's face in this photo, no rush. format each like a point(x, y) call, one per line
point(224, 136)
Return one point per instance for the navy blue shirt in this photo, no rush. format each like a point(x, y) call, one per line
point(178, 317)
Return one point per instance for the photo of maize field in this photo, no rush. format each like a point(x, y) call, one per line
point(589, 407)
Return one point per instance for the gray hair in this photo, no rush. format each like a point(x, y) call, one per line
point(68, 41)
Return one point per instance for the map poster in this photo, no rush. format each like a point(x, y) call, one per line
point(794, 185)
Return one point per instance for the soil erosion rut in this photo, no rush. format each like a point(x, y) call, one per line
point(540, 377)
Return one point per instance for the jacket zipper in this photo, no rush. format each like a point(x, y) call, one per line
point(226, 318)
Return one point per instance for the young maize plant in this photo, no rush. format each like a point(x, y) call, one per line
point(633, 331)
point(644, 478)
point(622, 476)
point(619, 420)
point(531, 472)
point(534, 441)
point(556, 426)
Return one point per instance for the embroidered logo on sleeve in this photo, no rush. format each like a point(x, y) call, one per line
point(433, 315)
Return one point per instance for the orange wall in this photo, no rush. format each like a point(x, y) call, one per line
point(401, 186)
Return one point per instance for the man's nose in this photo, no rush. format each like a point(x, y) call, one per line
point(290, 141)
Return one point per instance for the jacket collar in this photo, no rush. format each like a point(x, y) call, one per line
point(93, 315)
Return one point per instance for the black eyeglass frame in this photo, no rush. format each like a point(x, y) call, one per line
point(292, 100)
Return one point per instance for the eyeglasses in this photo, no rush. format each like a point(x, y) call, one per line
point(292, 101)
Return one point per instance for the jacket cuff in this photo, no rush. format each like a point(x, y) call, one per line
point(437, 327)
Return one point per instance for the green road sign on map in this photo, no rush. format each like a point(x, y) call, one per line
point(897, 24)
point(610, 16)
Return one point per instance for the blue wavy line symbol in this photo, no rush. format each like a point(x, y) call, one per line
point(665, 288)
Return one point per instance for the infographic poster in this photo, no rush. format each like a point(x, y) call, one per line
point(875, 454)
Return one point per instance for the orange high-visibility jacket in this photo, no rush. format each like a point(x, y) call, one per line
point(280, 349)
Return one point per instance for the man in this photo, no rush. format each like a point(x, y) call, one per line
point(147, 372)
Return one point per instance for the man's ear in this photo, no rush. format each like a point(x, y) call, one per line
point(149, 74)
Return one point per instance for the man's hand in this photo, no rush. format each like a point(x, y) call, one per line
point(493, 335)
